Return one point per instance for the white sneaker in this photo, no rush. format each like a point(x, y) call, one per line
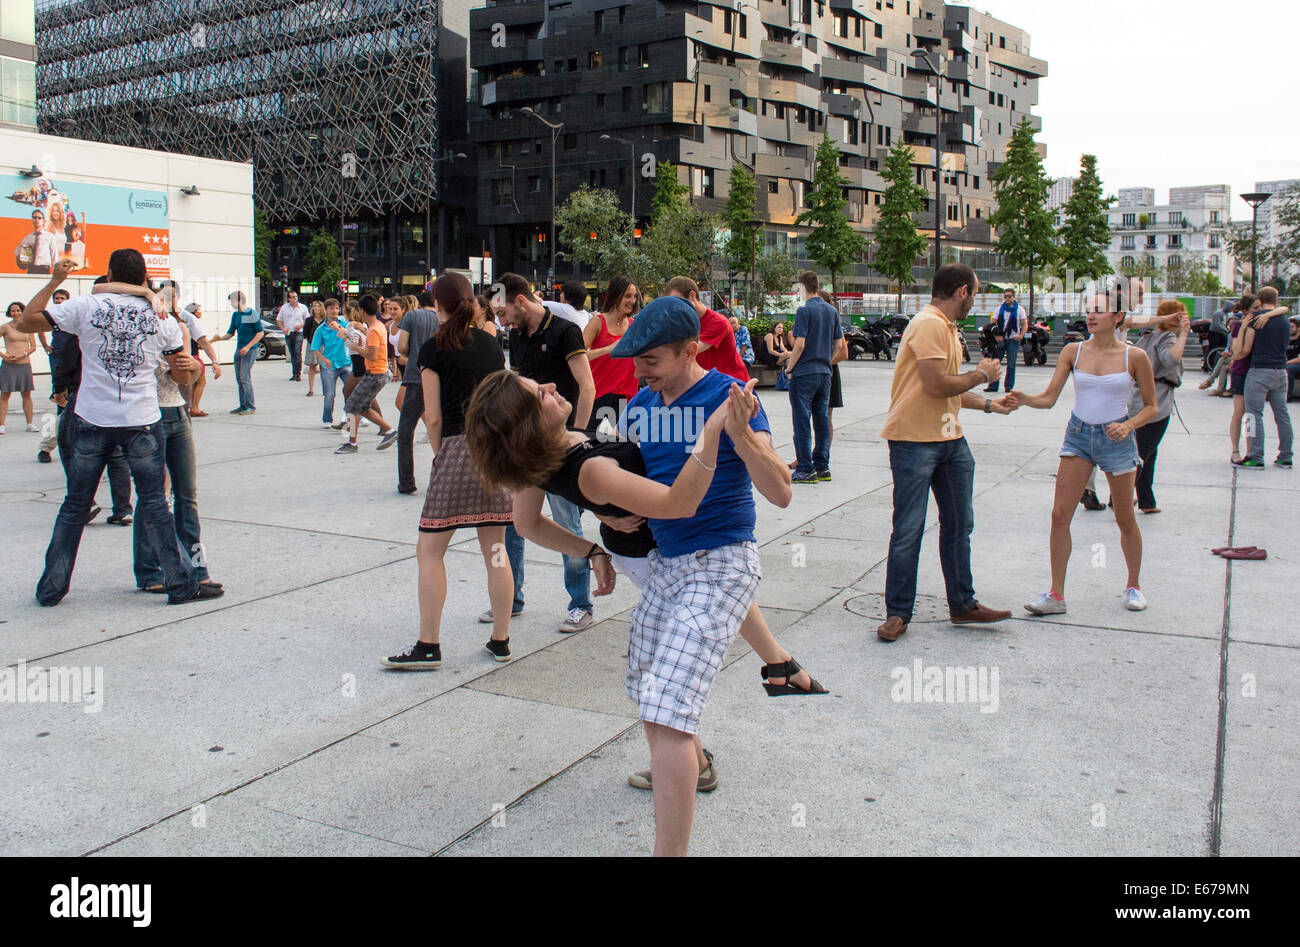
point(326, 426)
point(576, 620)
point(33, 429)
point(487, 619)
point(2, 428)
point(365, 423)
point(1135, 601)
point(1046, 605)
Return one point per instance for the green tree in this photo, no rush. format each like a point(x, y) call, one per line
point(323, 265)
point(669, 192)
point(1085, 236)
point(263, 237)
point(833, 243)
point(898, 243)
point(1144, 269)
point(589, 211)
point(741, 247)
point(775, 274)
point(1189, 275)
point(1285, 254)
point(1026, 234)
point(682, 241)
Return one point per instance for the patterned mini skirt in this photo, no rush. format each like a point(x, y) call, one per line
point(456, 497)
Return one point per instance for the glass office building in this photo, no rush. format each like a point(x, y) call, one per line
point(17, 63)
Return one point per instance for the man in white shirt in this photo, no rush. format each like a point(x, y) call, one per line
point(122, 341)
point(291, 317)
point(575, 297)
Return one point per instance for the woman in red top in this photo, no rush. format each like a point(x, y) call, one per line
point(615, 378)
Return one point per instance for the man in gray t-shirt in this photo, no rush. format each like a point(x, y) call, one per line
point(418, 327)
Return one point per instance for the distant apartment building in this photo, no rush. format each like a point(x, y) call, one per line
point(706, 85)
point(1060, 194)
point(1191, 229)
point(1269, 227)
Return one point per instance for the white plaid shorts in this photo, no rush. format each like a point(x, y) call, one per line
point(681, 628)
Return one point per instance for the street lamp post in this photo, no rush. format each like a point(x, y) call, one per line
point(555, 132)
point(631, 144)
point(1254, 200)
point(922, 56)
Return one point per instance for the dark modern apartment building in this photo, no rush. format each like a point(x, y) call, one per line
point(757, 82)
point(305, 89)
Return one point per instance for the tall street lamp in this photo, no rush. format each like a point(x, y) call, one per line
point(631, 144)
point(555, 133)
point(442, 219)
point(1254, 200)
point(920, 55)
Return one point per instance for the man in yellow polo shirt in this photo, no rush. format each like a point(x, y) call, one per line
point(927, 451)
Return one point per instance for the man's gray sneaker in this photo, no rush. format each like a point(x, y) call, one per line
point(387, 440)
point(348, 448)
point(487, 619)
point(576, 620)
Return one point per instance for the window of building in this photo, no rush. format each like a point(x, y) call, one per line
point(1212, 263)
point(1129, 220)
point(502, 191)
point(644, 56)
point(622, 58)
point(1175, 241)
point(1151, 241)
point(1128, 243)
point(880, 32)
point(627, 97)
point(537, 146)
point(559, 66)
point(1214, 216)
point(600, 20)
point(1127, 262)
point(1174, 260)
point(706, 182)
point(656, 97)
point(726, 21)
point(1176, 218)
point(1216, 241)
point(1002, 42)
point(534, 184)
point(570, 141)
point(17, 90)
point(744, 26)
point(953, 212)
point(622, 14)
point(773, 186)
point(708, 97)
point(594, 59)
point(573, 64)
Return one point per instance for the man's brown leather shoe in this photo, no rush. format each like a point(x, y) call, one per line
point(980, 615)
point(891, 629)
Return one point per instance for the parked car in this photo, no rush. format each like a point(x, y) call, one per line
point(273, 342)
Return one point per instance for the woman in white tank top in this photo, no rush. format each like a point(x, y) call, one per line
point(1099, 434)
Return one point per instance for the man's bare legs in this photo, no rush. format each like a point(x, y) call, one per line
point(675, 770)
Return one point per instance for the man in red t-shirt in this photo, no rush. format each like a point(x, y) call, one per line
point(717, 341)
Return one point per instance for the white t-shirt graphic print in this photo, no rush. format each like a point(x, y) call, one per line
point(122, 340)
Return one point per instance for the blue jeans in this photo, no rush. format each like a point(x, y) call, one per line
point(293, 340)
point(577, 572)
point(119, 474)
point(810, 398)
point(1268, 384)
point(87, 450)
point(948, 469)
point(178, 456)
point(244, 378)
point(328, 377)
point(1011, 349)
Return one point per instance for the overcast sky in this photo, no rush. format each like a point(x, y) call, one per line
point(1167, 92)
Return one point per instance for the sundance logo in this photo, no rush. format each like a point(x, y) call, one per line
point(78, 900)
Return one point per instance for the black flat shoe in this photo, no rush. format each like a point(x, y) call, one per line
point(204, 592)
point(787, 670)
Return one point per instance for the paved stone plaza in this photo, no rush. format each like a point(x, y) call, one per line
point(262, 723)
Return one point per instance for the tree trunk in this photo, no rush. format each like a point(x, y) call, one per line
point(1031, 294)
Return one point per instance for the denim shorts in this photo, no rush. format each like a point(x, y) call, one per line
point(1090, 442)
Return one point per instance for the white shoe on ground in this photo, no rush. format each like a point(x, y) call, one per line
point(1046, 605)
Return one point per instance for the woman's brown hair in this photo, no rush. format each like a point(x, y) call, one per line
point(1169, 315)
point(509, 441)
point(455, 297)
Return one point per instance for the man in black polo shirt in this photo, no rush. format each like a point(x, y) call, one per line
point(550, 350)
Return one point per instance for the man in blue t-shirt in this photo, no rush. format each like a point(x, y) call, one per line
point(705, 572)
point(816, 331)
point(246, 329)
point(1009, 327)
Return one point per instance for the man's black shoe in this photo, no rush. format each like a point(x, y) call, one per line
point(43, 456)
point(804, 478)
point(94, 511)
point(824, 475)
point(407, 490)
point(123, 520)
point(1090, 501)
point(204, 592)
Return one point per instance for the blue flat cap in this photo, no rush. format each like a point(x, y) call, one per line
point(663, 320)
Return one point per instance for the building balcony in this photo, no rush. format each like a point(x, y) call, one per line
point(743, 121)
point(1019, 62)
point(788, 54)
point(927, 30)
point(789, 92)
point(782, 166)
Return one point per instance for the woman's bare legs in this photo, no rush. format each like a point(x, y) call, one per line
point(311, 378)
point(501, 582)
point(196, 390)
point(759, 637)
point(1071, 476)
point(1130, 536)
point(27, 406)
point(430, 552)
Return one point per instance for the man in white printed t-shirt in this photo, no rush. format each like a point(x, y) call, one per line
point(122, 340)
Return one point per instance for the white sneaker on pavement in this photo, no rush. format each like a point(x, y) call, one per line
point(1135, 601)
point(1046, 605)
point(576, 620)
point(486, 617)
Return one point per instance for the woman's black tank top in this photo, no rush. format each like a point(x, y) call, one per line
point(565, 483)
